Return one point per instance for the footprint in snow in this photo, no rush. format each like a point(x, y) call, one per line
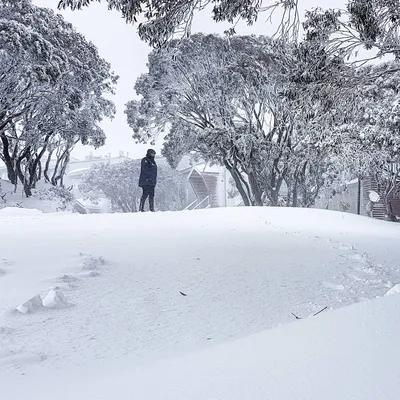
point(6, 331)
point(93, 263)
point(69, 278)
point(3, 266)
point(345, 247)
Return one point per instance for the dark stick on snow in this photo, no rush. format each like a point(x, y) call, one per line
point(320, 311)
point(294, 315)
point(183, 294)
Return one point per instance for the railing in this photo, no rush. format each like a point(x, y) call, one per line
point(189, 207)
point(86, 209)
point(79, 207)
point(195, 205)
point(205, 200)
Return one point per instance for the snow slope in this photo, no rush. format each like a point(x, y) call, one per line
point(352, 353)
point(133, 289)
point(44, 198)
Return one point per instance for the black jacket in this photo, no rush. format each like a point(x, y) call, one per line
point(148, 172)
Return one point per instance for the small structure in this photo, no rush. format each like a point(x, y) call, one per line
point(348, 200)
point(378, 209)
point(205, 187)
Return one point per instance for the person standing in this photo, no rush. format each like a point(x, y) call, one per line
point(148, 179)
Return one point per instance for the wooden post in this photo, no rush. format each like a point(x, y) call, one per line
point(359, 196)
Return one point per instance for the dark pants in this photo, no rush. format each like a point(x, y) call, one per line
point(148, 192)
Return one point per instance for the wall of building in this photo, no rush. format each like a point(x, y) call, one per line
point(345, 201)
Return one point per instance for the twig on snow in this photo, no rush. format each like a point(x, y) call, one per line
point(320, 311)
point(294, 315)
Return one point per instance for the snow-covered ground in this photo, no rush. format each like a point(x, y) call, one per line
point(179, 305)
point(44, 197)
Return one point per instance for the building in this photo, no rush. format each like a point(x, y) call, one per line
point(350, 201)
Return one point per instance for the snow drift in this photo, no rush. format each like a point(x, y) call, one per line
point(351, 353)
point(160, 297)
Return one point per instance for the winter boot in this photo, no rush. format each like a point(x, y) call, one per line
point(141, 206)
point(151, 203)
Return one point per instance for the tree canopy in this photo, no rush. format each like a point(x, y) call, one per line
point(159, 20)
point(53, 88)
point(362, 23)
point(239, 103)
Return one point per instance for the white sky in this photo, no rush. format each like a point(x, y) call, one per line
point(120, 45)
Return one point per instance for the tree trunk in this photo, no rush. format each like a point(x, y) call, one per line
point(18, 167)
point(390, 187)
point(21, 174)
point(39, 172)
point(55, 178)
point(34, 166)
point(295, 191)
point(274, 197)
point(238, 183)
point(8, 161)
point(255, 189)
point(46, 167)
point(63, 161)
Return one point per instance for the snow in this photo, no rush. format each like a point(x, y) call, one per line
point(131, 333)
point(394, 290)
point(18, 212)
point(55, 299)
point(32, 305)
point(15, 201)
point(78, 171)
point(351, 353)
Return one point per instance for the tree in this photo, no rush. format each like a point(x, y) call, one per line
point(369, 24)
point(217, 99)
point(119, 183)
point(370, 144)
point(52, 85)
point(243, 103)
point(163, 19)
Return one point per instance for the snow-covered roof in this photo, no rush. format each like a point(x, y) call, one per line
point(77, 171)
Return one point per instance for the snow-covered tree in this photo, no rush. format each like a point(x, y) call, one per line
point(363, 24)
point(52, 87)
point(161, 20)
point(216, 98)
point(242, 103)
point(119, 183)
point(370, 143)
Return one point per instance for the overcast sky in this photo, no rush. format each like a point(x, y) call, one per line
point(120, 45)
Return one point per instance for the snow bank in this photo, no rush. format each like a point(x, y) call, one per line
point(316, 220)
point(394, 290)
point(242, 270)
point(18, 212)
point(45, 198)
point(351, 353)
point(55, 299)
point(32, 305)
